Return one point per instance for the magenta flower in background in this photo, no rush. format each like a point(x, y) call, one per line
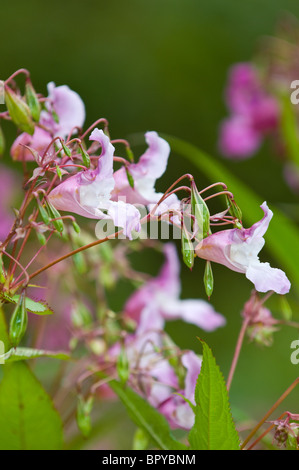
point(158, 300)
point(254, 113)
point(88, 193)
point(69, 109)
point(238, 249)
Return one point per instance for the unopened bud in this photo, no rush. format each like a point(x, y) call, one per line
point(32, 101)
point(19, 111)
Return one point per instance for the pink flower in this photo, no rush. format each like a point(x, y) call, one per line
point(153, 377)
point(254, 113)
point(158, 300)
point(238, 138)
point(70, 110)
point(238, 249)
point(88, 193)
point(151, 166)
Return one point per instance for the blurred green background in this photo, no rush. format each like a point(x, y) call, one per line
point(162, 65)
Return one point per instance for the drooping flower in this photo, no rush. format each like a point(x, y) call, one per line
point(238, 249)
point(254, 113)
point(88, 193)
point(152, 376)
point(151, 166)
point(64, 112)
point(158, 300)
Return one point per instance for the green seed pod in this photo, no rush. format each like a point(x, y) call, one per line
point(19, 111)
point(209, 279)
point(233, 208)
point(43, 213)
point(187, 248)
point(41, 238)
point(130, 154)
point(200, 211)
point(18, 322)
point(76, 227)
point(85, 157)
point(58, 224)
point(130, 178)
point(32, 101)
point(66, 150)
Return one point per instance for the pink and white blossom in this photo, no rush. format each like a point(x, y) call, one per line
point(238, 249)
point(88, 193)
point(158, 300)
point(150, 167)
point(70, 111)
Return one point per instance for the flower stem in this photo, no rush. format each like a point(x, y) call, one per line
point(237, 353)
point(274, 407)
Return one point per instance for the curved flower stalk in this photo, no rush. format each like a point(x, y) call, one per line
point(151, 166)
point(254, 113)
point(158, 300)
point(238, 249)
point(88, 193)
point(65, 111)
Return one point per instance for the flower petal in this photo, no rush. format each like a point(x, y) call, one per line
point(266, 278)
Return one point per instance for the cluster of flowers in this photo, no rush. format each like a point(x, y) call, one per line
point(84, 183)
point(259, 100)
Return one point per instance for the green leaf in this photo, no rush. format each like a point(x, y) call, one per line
point(23, 354)
point(147, 418)
point(38, 308)
point(282, 235)
point(28, 420)
point(214, 428)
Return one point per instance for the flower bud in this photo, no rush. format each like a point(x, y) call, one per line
point(19, 111)
point(18, 322)
point(32, 101)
